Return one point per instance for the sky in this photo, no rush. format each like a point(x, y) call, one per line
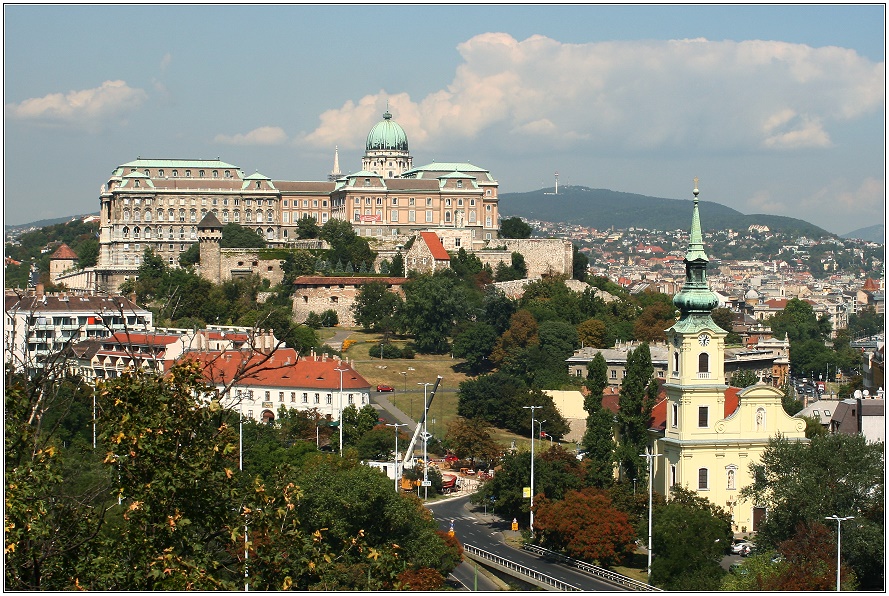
point(777, 109)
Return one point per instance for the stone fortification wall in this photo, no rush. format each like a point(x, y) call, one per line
point(238, 262)
point(543, 256)
point(318, 294)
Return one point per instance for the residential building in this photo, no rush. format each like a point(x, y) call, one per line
point(257, 383)
point(38, 325)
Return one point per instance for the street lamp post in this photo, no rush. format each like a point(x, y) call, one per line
point(648, 456)
point(404, 374)
point(397, 475)
point(839, 521)
point(425, 387)
point(341, 371)
point(532, 408)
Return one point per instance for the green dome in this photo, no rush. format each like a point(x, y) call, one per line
point(386, 135)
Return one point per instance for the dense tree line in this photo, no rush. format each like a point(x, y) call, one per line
point(82, 238)
point(162, 503)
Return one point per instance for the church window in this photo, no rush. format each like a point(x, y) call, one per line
point(672, 474)
point(704, 362)
point(703, 416)
point(730, 478)
point(703, 480)
point(675, 415)
point(676, 363)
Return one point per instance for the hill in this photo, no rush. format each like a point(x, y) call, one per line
point(601, 208)
point(45, 222)
point(875, 233)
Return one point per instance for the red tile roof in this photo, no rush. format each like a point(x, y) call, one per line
point(153, 339)
point(64, 252)
point(435, 246)
point(283, 368)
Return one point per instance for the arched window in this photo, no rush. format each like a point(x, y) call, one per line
point(269, 216)
point(147, 233)
point(192, 215)
point(182, 215)
point(137, 215)
point(268, 417)
point(237, 216)
point(730, 473)
point(704, 362)
point(160, 215)
point(171, 215)
point(126, 215)
point(137, 231)
point(703, 479)
point(447, 217)
point(676, 362)
point(148, 215)
point(259, 216)
point(225, 215)
point(270, 234)
point(248, 216)
point(126, 232)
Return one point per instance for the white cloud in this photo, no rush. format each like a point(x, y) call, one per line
point(165, 61)
point(88, 109)
point(631, 95)
point(762, 202)
point(264, 135)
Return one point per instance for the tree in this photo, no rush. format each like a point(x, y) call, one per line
point(471, 438)
point(865, 322)
point(592, 333)
point(514, 227)
point(376, 307)
point(689, 537)
point(799, 322)
point(345, 245)
point(652, 322)
point(522, 332)
point(579, 264)
point(725, 318)
point(432, 305)
point(835, 474)
point(191, 257)
point(474, 344)
point(237, 236)
point(584, 525)
point(637, 396)
point(744, 378)
point(88, 253)
point(598, 439)
point(516, 270)
point(307, 227)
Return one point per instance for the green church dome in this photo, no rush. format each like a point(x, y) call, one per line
point(387, 135)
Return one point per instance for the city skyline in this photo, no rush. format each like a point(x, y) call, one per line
point(777, 109)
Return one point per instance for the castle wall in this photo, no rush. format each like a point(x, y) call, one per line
point(543, 256)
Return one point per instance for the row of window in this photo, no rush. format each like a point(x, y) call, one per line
point(175, 173)
point(704, 477)
point(204, 201)
point(704, 417)
point(305, 397)
point(138, 215)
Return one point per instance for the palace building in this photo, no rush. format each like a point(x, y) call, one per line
point(707, 433)
point(159, 203)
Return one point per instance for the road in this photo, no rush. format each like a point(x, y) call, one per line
point(487, 532)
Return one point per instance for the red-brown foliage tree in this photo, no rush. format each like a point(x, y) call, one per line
point(812, 564)
point(585, 526)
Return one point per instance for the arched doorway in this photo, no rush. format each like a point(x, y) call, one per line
point(268, 416)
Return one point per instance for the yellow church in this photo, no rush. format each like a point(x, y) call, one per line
point(706, 434)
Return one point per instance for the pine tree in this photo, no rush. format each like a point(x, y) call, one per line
point(598, 440)
point(637, 395)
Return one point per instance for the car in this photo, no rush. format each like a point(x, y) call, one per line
point(385, 388)
point(739, 546)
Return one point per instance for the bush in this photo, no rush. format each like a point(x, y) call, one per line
point(389, 351)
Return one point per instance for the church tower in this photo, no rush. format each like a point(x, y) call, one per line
point(335, 174)
point(209, 237)
point(695, 372)
point(712, 432)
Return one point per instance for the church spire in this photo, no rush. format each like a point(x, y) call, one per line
point(335, 174)
point(696, 300)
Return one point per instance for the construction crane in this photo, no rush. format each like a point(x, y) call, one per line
point(421, 424)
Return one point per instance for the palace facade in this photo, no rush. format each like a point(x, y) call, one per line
point(158, 203)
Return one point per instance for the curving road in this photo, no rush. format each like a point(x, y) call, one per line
point(472, 526)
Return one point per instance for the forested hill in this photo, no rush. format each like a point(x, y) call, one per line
point(601, 208)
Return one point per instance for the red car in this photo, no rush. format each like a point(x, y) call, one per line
point(384, 389)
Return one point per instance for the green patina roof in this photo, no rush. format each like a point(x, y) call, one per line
point(387, 135)
point(176, 163)
point(458, 175)
point(256, 176)
point(448, 167)
point(695, 301)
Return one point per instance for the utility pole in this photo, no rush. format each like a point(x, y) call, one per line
point(397, 475)
point(647, 455)
point(839, 521)
point(532, 408)
point(341, 371)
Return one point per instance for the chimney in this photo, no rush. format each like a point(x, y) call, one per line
point(39, 290)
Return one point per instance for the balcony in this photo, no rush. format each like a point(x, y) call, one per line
point(703, 375)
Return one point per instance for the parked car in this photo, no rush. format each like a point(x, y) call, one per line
point(739, 546)
point(385, 388)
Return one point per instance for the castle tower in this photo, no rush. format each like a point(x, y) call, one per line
point(209, 236)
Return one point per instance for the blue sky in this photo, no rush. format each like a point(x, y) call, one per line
point(777, 109)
